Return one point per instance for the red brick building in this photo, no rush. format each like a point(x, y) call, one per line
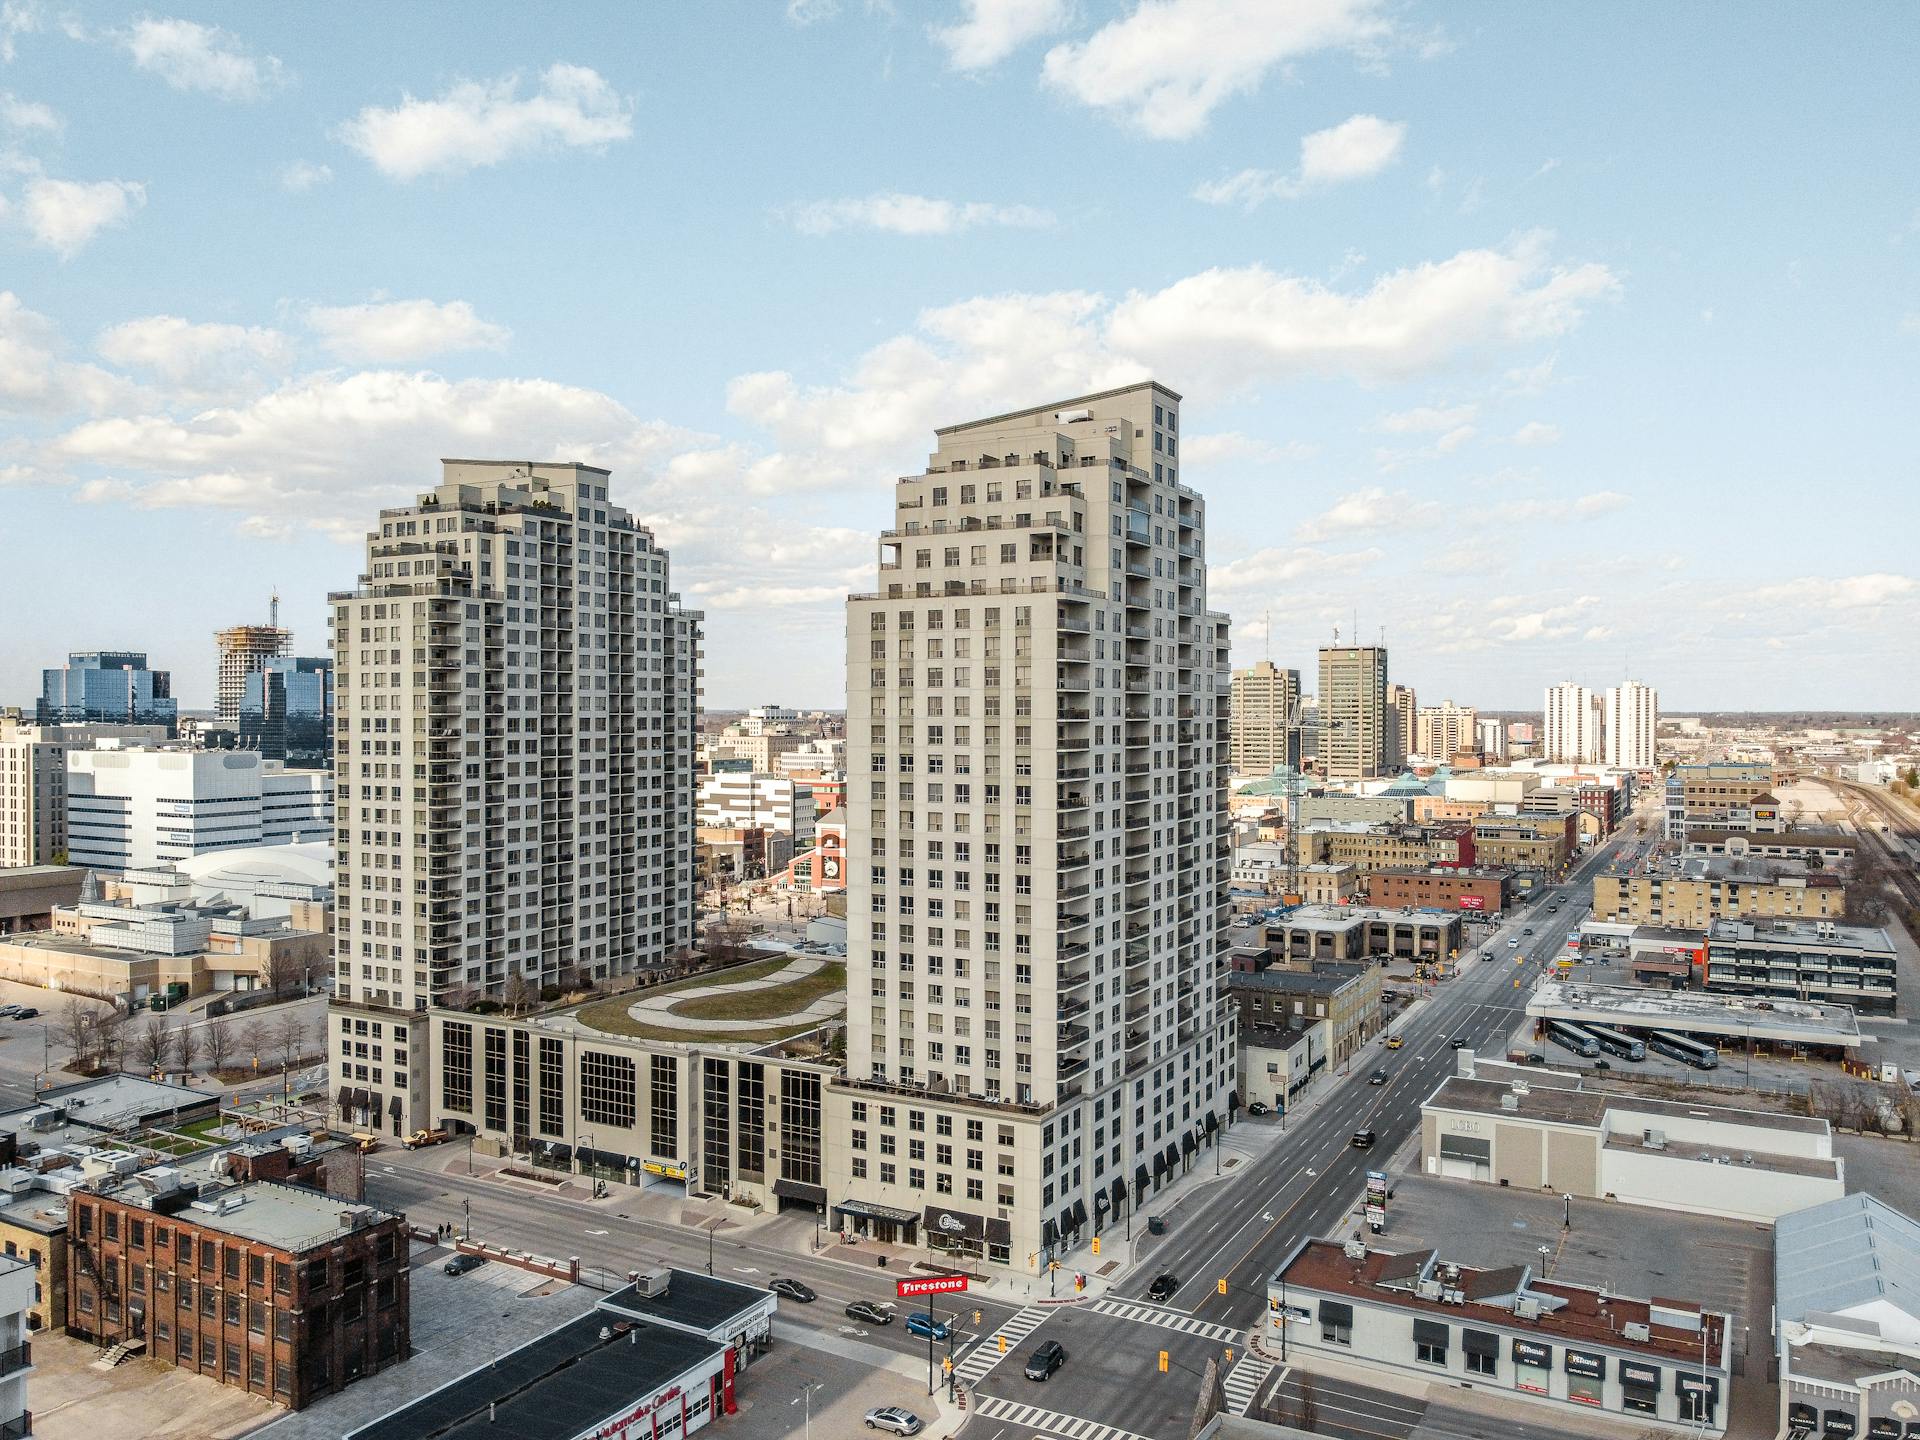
point(276, 1289)
point(1441, 888)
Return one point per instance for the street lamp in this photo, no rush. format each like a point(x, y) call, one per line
point(580, 1138)
point(806, 1396)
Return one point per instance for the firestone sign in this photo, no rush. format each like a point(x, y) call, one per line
point(931, 1285)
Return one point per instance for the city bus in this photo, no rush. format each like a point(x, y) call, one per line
point(1573, 1038)
point(1686, 1051)
point(1614, 1043)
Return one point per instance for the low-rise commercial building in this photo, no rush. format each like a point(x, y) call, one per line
point(31, 893)
point(1526, 842)
point(1478, 888)
point(751, 801)
point(1853, 965)
point(1540, 1129)
point(275, 1289)
point(1784, 1026)
point(1355, 809)
point(1708, 888)
point(1710, 794)
point(1819, 849)
point(1380, 847)
point(1846, 1291)
point(1282, 997)
point(1357, 932)
point(1504, 1331)
point(1278, 1061)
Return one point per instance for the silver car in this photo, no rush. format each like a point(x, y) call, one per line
point(892, 1418)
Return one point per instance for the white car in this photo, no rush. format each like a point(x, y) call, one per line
point(1514, 943)
point(892, 1418)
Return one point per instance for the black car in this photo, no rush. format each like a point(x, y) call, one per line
point(1045, 1360)
point(1459, 1042)
point(1163, 1289)
point(25, 1012)
point(1378, 1077)
point(461, 1264)
point(793, 1290)
point(871, 1313)
point(1363, 1139)
point(1259, 1107)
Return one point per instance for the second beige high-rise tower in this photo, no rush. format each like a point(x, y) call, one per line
point(1037, 896)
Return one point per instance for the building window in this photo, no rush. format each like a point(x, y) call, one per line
point(751, 1143)
point(607, 1085)
point(496, 1079)
point(800, 1126)
point(1428, 1353)
point(1478, 1364)
point(663, 1105)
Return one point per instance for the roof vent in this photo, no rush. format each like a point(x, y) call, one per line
point(1634, 1330)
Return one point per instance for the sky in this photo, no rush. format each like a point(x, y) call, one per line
point(1547, 342)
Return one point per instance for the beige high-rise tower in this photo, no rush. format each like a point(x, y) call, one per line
point(1266, 729)
point(1037, 896)
point(242, 649)
point(516, 698)
point(1355, 723)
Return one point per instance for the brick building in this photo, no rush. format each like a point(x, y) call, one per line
point(272, 1288)
point(1441, 887)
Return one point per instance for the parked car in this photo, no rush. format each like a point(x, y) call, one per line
point(1378, 1077)
point(1363, 1139)
point(1534, 1057)
point(1049, 1357)
point(420, 1139)
point(1163, 1289)
point(1259, 1107)
point(9, 1012)
point(926, 1327)
point(461, 1264)
point(871, 1313)
point(793, 1290)
point(26, 1012)
point(893, 1419)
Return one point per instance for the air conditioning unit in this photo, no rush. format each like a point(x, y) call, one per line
point(1654, 1139)
point(1454, 1297)
point(1428, 1289)
point(1634, 1330)
point(1526, 1309)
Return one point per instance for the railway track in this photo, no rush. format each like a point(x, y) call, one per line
point(1899, 842)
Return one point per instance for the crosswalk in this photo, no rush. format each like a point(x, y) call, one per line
point(1050, 1423)
point(1244, 1380)
point(984, 1356)
point(1167, 1319)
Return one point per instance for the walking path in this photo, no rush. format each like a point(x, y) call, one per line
point(657, 1009)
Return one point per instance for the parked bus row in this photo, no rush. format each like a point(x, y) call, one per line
point(1588, 1041)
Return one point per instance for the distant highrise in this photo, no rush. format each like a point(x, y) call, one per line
point(107, 687)
point(1493, 739)
point(1632, 719)
point(243, 649)
point(286, 710)
point(1355, 723)
point(33, 784)
point(1403, 722)
point(1573, 725)
point(516, 698)
point(1445, 729)
point(1266, 732)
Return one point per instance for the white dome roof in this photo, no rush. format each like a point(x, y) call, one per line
point(240, 871)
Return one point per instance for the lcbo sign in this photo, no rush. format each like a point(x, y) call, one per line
point(932, 1285)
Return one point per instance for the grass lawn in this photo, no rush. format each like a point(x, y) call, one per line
point(610, 1015)
point(627, 1025)
point(766, 1004)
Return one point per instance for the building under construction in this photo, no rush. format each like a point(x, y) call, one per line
point(243, 648)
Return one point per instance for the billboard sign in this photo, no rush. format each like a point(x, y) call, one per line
point(930, 1285)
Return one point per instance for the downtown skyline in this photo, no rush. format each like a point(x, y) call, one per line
point(1544, 375)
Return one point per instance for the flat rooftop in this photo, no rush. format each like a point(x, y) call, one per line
point(692, 1300)
point(552, 1389)
point(1694, 1012)
point(1345, 917)
point(1324, 979)
point(1825, 935)
point(1816, 839)
point(287, 1217)
point(1590, 1107)
point(110, 1102)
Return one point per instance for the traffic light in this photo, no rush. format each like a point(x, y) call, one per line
point(1229, 1354)
point(1273, 1307)
point(1003, 1343)
point(976, 1317)
point(946, 1364)
point(1096, 1244)
point(1163, 1362)
point(1053, 1265)
point(1223, 1286)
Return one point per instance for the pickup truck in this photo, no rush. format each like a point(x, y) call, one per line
point(422, 1138)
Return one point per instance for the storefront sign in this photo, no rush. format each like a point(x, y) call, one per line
point(666, 1169)
point(954, 1224)
point(931, 1285)
point(639, 1412)
point(1647, 1377)
point(1588, 1367)
point(1473, 902)
point(1526, 1352)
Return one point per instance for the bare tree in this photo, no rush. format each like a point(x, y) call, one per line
point(288, 1037)
point(187, 1041)
point(518, 994)
point(253, 1039)
point(217, 1042)
point(110, 1038)
point(285, 968)
point(153, 1045)
point(74, 1029)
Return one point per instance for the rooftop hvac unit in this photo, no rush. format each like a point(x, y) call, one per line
point(1454, 1297)
point(1355, 1249)
point(1634, 1330)
point(1526, 1309)
point(1510, 1102)
point(1451, 1272)
point(653, 1284)
point(1428, 1289)
point(1654, 1139)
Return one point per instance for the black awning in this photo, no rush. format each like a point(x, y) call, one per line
point(1693, 1382)
point(1049, 1234)
point(861, 1207)
point(1431, 1332)
point(1883, 1427)
point(1799, 1413)
point(999, 1232)
point(1187, 1147)
point(1117, 1195)
point(345, 1098)
point(955, 1224)
point(1233, 1100)
point(1079, 1214)
point(1336, 1312)
point(1838, 1425)
point(1641, 1377)
point(1585, 1363)
point(1139, 1182)
point(787, 1189)
point(393, 1104)
point(1212, 1123)
point(1160, 1164)
point(1172, 1153)
point(1479, 1342)
point(1102, 1202)
point(1067, 1227)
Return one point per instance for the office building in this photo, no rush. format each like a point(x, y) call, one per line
point(33, 784)
point(1846, 1294)
point(746, 800)
point(286, 711)
point(107, 687)
point(243, 649)
point(1632, 719)
point(1039, 865)
point(1573, 725)
point(1492, 738)
point(1702, 889)
point(1444, 730)
point(1526, 842)
point(1804, 960)
point(1269, 996)
point(276, 1289)
point(1720, 794)
point(138, 807)
point(1455, 887)
point(1403, 721)
point(515, 705)
point(1504, 1331)
point(1357, 727)
point(1265, 723)
point(1354, 932)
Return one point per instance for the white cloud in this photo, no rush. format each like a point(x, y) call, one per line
point(1454, 439)
point(63, 215)
point(994, 29)
point(198, 360)
point(1371, 509)
point(1428, 419)
point(1278, 566)
point(1169, 64)
point(190, 56)
point(399, 330)
point(1230, 446)
point(1352, 150)
point(1910, 323)
point(1847, 592)
point(811, 12)
point(1535, 432)
point(477, 123)
point(26, 115)
point(911, 215)
point(740, 597)
point(17, 18)
point(303, 175)
point(1601, 502)
point(35, 379)
point(1529, 379)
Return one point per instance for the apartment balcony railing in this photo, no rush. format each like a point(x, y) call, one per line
point(18, 1358)
point(19, 1429)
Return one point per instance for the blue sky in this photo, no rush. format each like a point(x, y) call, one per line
point(1553, 341)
